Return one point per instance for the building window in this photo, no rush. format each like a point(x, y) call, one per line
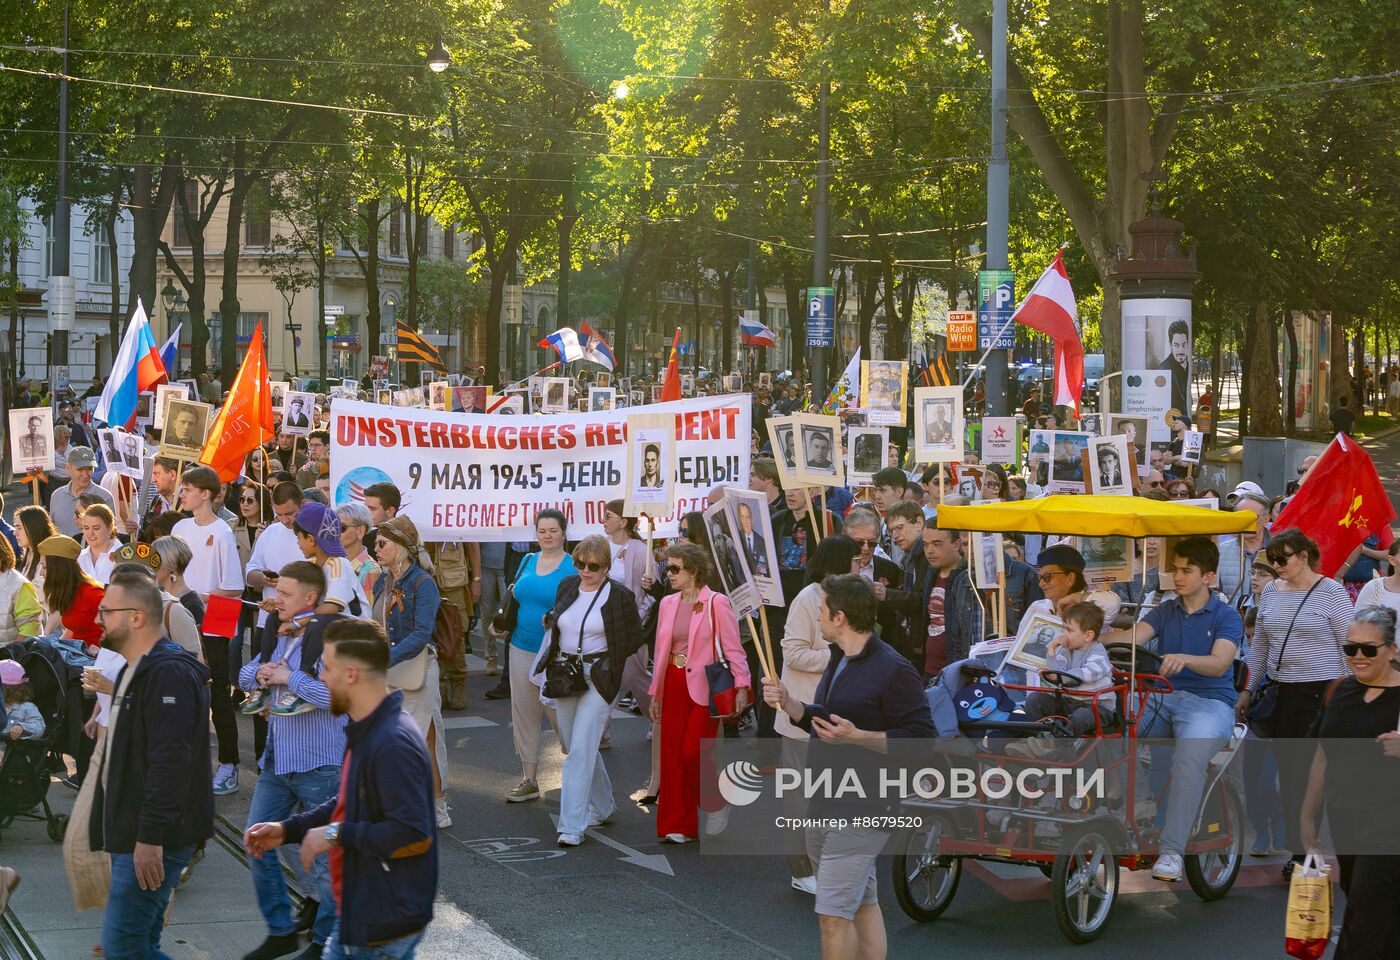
point(449, 243)
point(257, 218)
point(395, 229)
point(247, 323)
point(101, 259)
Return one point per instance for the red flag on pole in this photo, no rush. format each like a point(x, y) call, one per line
point(245, 421)
point(1340, 504)
point(671, 386)
point(1050, 308)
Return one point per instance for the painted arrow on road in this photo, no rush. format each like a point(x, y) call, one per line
point(651, 861)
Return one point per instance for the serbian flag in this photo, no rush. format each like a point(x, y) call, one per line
point(565, 341)
point(752, 333)
point(671, 386)
point(1340, 504)
point(1050, 308)
point(245, 421)
point(136, 370)
point(595, 348)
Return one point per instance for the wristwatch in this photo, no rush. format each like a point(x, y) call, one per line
point(333, 833)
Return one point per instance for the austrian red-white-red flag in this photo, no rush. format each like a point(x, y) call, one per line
point(1050, 308)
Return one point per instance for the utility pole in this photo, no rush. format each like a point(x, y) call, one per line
point(998, 212)
point(819, 300)
point(61, 285)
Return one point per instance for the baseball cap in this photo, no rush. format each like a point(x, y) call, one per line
point(82, 457)
point(1248, 487)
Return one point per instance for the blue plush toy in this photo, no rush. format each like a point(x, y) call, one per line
point(983, 700)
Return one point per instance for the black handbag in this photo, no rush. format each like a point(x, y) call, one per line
point(506, 618)
point(563, 674)
point(1265, 700)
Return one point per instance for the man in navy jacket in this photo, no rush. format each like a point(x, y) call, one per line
point(380, 831)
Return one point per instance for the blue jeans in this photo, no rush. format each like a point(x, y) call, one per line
point(134, 919)
point(1201, 727)
point(275, 797)
point(400, 949)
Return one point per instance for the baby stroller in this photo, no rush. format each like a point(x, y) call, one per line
point(27, 764)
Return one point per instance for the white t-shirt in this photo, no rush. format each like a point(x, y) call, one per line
point(594, 639)
point(1374, 593)
point(99, 568)
point(618, 570)
point(215, 565)
point(109, 663)
point(343, 586)
point(275, 547)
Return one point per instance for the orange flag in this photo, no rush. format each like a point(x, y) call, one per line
point(671, 386)
point(245, 422)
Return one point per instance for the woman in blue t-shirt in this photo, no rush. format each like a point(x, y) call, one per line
point(535, 587)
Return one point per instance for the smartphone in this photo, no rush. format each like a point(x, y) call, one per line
point(271, 574)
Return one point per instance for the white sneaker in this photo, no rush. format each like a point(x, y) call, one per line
point(675, 838)
point(716, 822)
point(604, 820)
point(444, 818)
point(805, 884)
point(1169, 867)
point(570, 840)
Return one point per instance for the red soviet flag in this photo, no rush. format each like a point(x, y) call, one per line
point(245, 421)
point(1340, 503)
point(671, 385)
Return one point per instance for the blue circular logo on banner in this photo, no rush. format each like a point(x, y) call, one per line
point(353, 484)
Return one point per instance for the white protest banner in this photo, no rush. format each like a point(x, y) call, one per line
point(483, 477)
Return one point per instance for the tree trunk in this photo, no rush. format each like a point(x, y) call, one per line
point(567, 218)
point(373, 317)
point(150, 201)
point(1291, 393)
point(1262, 389)
point(18, 352)
point(229, 307)
point(797, 317)
point(109, 230)
point(1358, 367)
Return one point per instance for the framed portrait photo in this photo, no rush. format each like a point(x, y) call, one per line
point(1033, 641)
point(938, 424)
point(988, 560)
point(1067, 461)
point(1110, 466)
point(731, 566)
point(733, 382)
point(1135, 430)
point(300, 413)
point(867, 453)
point(186, 429)
point(884, 391)
point(818, 449)
point(782, 437)
point(601, 398)
point(555, 394)
point(31, 439)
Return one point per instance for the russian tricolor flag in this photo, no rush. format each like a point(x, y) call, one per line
point(752, 333)
point(136, 370)
point(595, 348)
point(565, 341)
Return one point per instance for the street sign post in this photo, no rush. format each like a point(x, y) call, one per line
point(996, 299)
point(821, 322)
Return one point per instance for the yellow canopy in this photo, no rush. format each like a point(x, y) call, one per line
point(1096, 516)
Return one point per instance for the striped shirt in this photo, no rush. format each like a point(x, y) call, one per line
point(310, 740)
point(1314, 650)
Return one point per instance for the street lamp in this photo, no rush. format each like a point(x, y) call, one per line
point(167, 297)
point(438, 57)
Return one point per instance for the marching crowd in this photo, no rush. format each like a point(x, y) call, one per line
point(353, 635)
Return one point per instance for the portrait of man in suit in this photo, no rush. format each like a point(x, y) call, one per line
point(1110, 467)
point(296, 412)
point(726, 557)
point(938, 422)
point(131, 451)
point(754, 545)
point(184, 428)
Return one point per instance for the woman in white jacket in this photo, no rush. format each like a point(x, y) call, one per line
point(805, 657)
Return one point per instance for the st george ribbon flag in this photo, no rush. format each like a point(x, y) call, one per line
point(136, 370)
point(1341, 502)
point(1050, 308)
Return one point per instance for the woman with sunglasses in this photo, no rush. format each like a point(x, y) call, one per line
point(1351, 777)
point(532, 593)
point(1298, 636)
point(254, 514)
point(993, 485)
point(805, 657)
point(593, 627)
point(687, 623)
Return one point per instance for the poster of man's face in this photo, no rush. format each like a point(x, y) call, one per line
point(1192, 442)
point(765, 380)
point(1159, 340)
point(637, 397)
point(883, 391)
point(868, 455)
point(437, 394)
point(733, 382)
point(1033, 641)
point(604, 379)
point(730, 563)
point(989, 558)
point(601, 398)
point(384, 397)
point(279, 394)
point(753, 531)
point(164, 393)
point(123, 452)
point(1109, 466)
point(818, 449)
point(301, 409)
point(1134, 430)
point(555, 395)
point(782, 439)
point(687, 385)
point(938, 424)
point(186, 425)
point(1066, 463)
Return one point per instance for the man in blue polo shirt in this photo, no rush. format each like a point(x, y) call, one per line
point(1197, 635)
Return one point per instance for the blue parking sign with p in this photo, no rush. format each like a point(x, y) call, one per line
point(996, 303)
point(821, 323)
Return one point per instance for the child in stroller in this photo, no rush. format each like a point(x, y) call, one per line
point(20, 719)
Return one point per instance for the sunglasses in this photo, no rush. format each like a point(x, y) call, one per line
point(871, 544)
point(672, 569)
point(591, 567)
point(1281, 559)
point(247, 499)
point(1368, 650)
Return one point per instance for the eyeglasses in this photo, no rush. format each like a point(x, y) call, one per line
point(590, 566)
point(247, 499)
point(866, 544)
point(673, 569)
point(1049, 575)
point(1368, 650)
point(103, 611)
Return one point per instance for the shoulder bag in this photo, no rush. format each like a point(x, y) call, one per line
point(1265, 700)
point(506, 618)
point(719, 676)
point(563, 675)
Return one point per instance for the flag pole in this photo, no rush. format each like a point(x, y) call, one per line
point(997, 336)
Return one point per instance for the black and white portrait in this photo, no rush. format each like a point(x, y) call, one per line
point(555, 395)
point(730, 563)
point(1067, 461)
point(300, 411)
point(817, 446)
point(165, 392)
point(601, 398)
point(938, 424)
point(1110, 466)
point(186, 425)
point(867, 455)
point(989, 559)
point(1033, 640)
point(637, 397)
point(687, 385)
point(782, 440)
point(1134, 430)
point(279, 395)
point(733, 382)
point(437, 394)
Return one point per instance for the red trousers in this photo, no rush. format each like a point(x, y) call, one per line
point(684, 723)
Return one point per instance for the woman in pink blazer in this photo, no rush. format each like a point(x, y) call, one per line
point(686, 626)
